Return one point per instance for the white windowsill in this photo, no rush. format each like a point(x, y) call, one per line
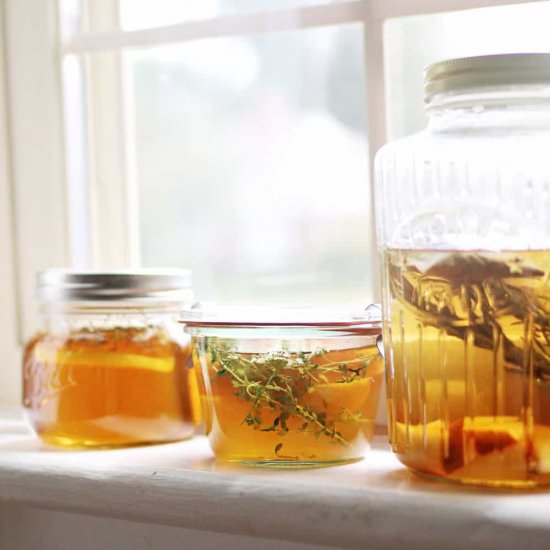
point(372, 504)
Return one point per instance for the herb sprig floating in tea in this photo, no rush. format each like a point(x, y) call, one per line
point(488, 296)
point(281, 381)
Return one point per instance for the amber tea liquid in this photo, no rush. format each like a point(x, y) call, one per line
point(319, 410)
point(468, 364)
point(109, 387)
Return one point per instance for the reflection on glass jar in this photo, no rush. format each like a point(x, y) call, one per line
point(287, 393)
point(111, 367)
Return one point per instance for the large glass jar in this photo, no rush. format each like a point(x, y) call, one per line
point(111, 366)
point(287, 388)
point(463, 211)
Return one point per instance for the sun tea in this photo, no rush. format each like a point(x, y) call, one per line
point(467, 339)
point(290, 408)
point(110, 387)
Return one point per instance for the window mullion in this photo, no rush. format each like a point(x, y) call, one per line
point(376, 135)
point(113, 212)
point(223, 26)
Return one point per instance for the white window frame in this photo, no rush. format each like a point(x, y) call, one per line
point(117, 184)
point(9, 352)
point(33, 221)
point(34, 217)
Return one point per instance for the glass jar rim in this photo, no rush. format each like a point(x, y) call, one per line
point(361, 319)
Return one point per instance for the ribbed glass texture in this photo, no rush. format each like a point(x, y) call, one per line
point(463, 221)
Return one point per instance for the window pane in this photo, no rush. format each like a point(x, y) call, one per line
point(414, 42)
point(70, 12)
point(251, 161)
point(138, 14)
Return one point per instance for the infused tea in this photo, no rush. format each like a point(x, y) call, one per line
point(109, 386)
point(467, 339)
point(289, 408)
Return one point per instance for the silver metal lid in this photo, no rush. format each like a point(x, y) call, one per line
point(363, 319)
point(136, 286)
point(473, 73)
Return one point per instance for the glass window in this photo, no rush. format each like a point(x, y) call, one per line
point(70, 12)
point(412, 43)
point(251, 163)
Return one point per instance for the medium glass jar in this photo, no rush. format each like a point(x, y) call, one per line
point(287, 388)
point(111, 366)
point(464, 231)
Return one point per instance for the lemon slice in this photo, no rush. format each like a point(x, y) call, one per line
point(106, 359)
point(340, 396)
point(510, 425)
point(486, 435)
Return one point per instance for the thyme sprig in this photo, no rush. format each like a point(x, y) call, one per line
point(281, 381)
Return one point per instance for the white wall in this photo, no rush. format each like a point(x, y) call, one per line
point(9, 345)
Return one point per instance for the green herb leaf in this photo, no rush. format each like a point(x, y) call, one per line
point(281, 381)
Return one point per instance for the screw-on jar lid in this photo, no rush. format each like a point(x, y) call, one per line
point(473, 73)
point(137, 286)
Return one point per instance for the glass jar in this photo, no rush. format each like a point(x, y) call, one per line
point(111, 366)
point(287, 388)
point(464, 231)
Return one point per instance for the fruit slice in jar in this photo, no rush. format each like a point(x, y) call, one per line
point(466, 444)
point(75, 358)
point(336, 398)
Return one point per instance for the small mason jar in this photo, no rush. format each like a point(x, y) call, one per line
point(463, 214)
point(287, 388)
point(111, 366)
